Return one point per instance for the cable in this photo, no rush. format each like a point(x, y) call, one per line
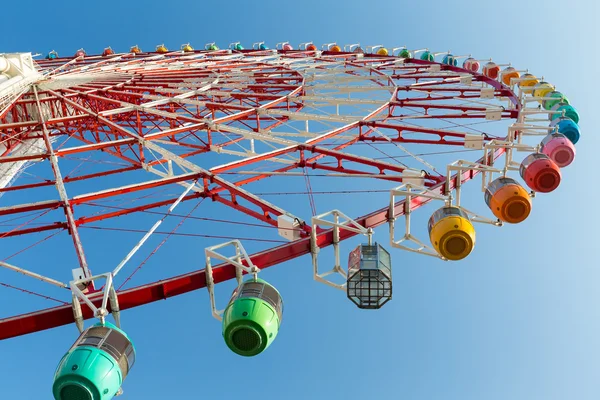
point(160, 244)
point(184, 234)
point(25, 223)
point(32, 293)
point(311, 199)
point(33, 245)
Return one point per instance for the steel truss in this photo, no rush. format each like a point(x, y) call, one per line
point(288, 111)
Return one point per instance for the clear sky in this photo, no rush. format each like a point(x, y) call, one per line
point(518, 319)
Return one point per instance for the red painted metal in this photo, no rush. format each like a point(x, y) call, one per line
point(63, 315)
point(85, 113)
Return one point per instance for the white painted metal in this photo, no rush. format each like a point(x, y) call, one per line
point(235, 260)
point(33, 275)
point(108, 294)
point(487, 93)
point(323, 83)
point(152, 230)
point(10, 171)
point(4, 64)
point(60, 187)
point(461, 166)
point(408, 241)
point(288, 228)
point(340, 222)
point(474, 141)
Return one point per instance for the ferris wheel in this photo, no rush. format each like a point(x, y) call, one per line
point(95, 145)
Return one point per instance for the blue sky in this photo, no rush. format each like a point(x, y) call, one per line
point(518, 319)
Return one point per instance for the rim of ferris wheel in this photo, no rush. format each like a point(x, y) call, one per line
point(347, 224)
point(236, 261)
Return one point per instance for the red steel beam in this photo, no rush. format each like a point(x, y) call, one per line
point(58, 316)
point(141, 295)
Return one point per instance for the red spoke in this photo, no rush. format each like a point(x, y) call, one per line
point(130, 132)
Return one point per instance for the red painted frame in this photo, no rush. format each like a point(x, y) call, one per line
point(54, 317)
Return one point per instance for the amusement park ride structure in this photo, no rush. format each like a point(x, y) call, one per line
point(269, 113)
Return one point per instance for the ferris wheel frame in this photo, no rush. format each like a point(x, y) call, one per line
point(310, 150)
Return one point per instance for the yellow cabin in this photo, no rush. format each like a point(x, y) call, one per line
point(451, 233)
point(187, 48)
